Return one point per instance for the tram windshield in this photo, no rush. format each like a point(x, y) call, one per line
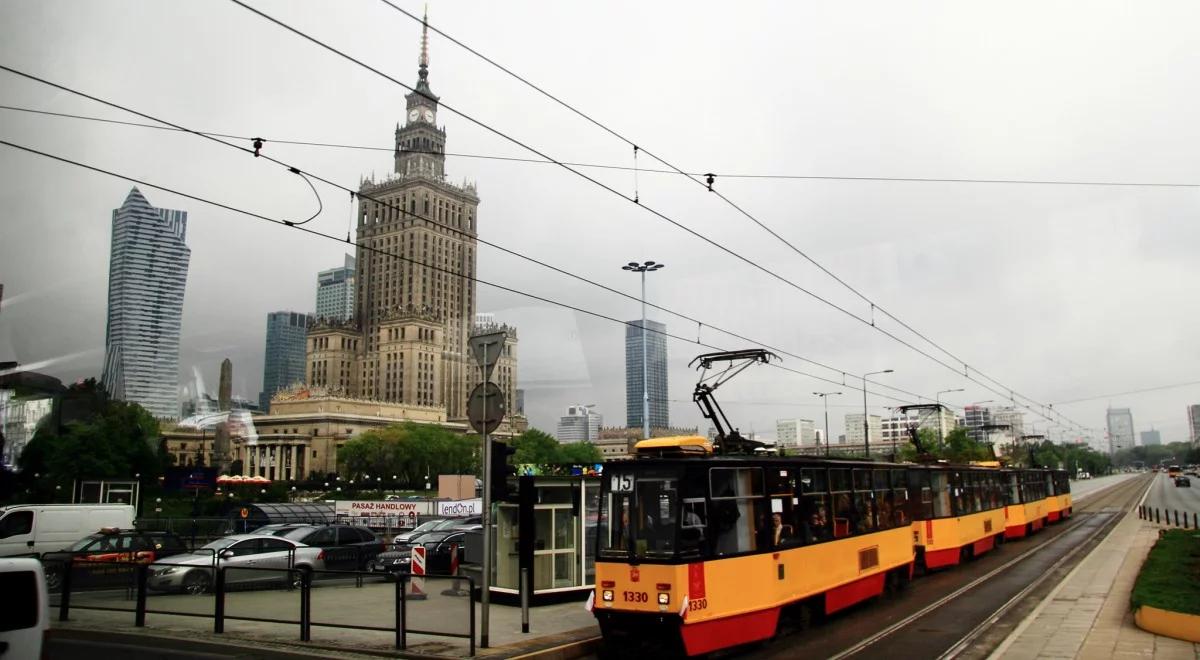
point(638, 514)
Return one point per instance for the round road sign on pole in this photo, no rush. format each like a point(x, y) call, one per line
point(485, 407)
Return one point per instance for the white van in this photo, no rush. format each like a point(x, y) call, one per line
point(25, 621)
point(27, 529)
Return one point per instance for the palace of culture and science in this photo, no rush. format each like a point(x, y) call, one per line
point(414, 307)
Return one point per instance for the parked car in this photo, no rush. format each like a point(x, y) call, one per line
point(31, 529)
point(194, 572)
point(427, 526)
point(27, 613)
point(442, 525)
point(347, 547)
point(107, 557)
point(1183, 481)
point(440, 548)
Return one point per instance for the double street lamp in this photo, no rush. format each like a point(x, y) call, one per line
point(824, 398)
point(866, 420)
point(635, 267)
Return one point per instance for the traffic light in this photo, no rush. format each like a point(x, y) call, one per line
point(500, 470)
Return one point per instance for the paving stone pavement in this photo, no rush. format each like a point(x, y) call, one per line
point(1088, 615)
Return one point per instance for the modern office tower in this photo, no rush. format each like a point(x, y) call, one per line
point(854, 428)
point(413, 312)
point(335, 292)
point(147, 274)
point(656, 373)
point(1151, 437)
point(1120, 429)
point(283, 363)
point(794, 433)
point(580, 424)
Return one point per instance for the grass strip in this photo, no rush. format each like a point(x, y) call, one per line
point(1170, 578)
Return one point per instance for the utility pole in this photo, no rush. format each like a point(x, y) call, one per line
point(866, 419)
point(824, 398)
point(650, 266)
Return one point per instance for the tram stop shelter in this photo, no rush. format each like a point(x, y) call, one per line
point(547, 527)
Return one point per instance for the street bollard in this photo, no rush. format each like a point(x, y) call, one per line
point(139, 618)
point(1156, 520)
point(1176, 517)
point(64, 591)
point(525, 599)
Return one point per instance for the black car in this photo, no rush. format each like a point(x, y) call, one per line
point(109, 557)
point(346, 547)
point(444, 525)
point(440, 549)
point(1183, 481)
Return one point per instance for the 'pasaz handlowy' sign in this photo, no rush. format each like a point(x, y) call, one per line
point(381, 508)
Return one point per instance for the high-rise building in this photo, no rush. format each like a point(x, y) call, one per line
point(794, 433)
point(1151, 437)
point(854, 428)
point(283, 363)
point(20, 418)
point(146, 278)
point(504, 374)
point(1120, 429)
point(414, 299)
point(1193, 412)
point(580, 424)
point(656, 373)
point(335, 292)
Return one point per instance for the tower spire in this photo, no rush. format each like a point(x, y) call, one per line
point(423, 68)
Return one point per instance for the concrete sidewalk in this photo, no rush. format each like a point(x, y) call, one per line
point(1088, 616)
point(560, 631)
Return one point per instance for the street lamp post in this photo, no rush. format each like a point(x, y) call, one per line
point(649, 266)
point(937, 398)
point(824, 399)
point(866, 421)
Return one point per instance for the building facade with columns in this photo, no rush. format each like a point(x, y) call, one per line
point(301, 436)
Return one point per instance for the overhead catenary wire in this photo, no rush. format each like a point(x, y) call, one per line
point(708, 180)
point(256, 152)
point(607, 166)
point(401, 257)
point(1009, 393)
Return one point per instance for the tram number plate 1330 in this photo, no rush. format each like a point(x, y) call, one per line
point(621, 483)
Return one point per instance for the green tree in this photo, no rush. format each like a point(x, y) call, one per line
point(580, 453)
point(119, 442)
point(410, 451)
point(534, 446)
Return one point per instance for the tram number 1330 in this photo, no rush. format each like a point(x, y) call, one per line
point(635, 596)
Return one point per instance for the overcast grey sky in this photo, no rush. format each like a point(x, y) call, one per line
point(1061, 292)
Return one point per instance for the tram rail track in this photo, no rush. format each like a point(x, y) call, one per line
point(924, 631)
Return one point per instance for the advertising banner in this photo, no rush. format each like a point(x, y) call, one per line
point(460, 508)
point(396, 513)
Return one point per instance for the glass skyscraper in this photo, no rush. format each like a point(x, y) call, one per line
point(656, 362)
point(283, 362)
point(147, 275)
point(335, 292)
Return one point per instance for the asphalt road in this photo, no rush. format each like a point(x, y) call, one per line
point(1165, 495)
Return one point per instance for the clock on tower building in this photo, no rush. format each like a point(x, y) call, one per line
point(415, 306)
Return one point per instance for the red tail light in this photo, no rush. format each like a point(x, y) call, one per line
point(321, 555)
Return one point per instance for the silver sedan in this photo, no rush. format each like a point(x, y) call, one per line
point(195, 572)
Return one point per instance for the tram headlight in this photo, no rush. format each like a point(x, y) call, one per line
point(608, 595)
point(664, 599)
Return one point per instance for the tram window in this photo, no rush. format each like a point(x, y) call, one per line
point(1014, 488)
point(693, 526)
point(880, 478)
point(976, 492)
point(864, 512)
point(814, 518)
point(737, 508)
point(884, 509)
point(862, 480)
point(940, 483)
point(655, 525)
point(813, 481)
point(839, 480)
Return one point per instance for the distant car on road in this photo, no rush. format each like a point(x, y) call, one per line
point(444, 524)
point(1183, 481)
point(194, 572)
